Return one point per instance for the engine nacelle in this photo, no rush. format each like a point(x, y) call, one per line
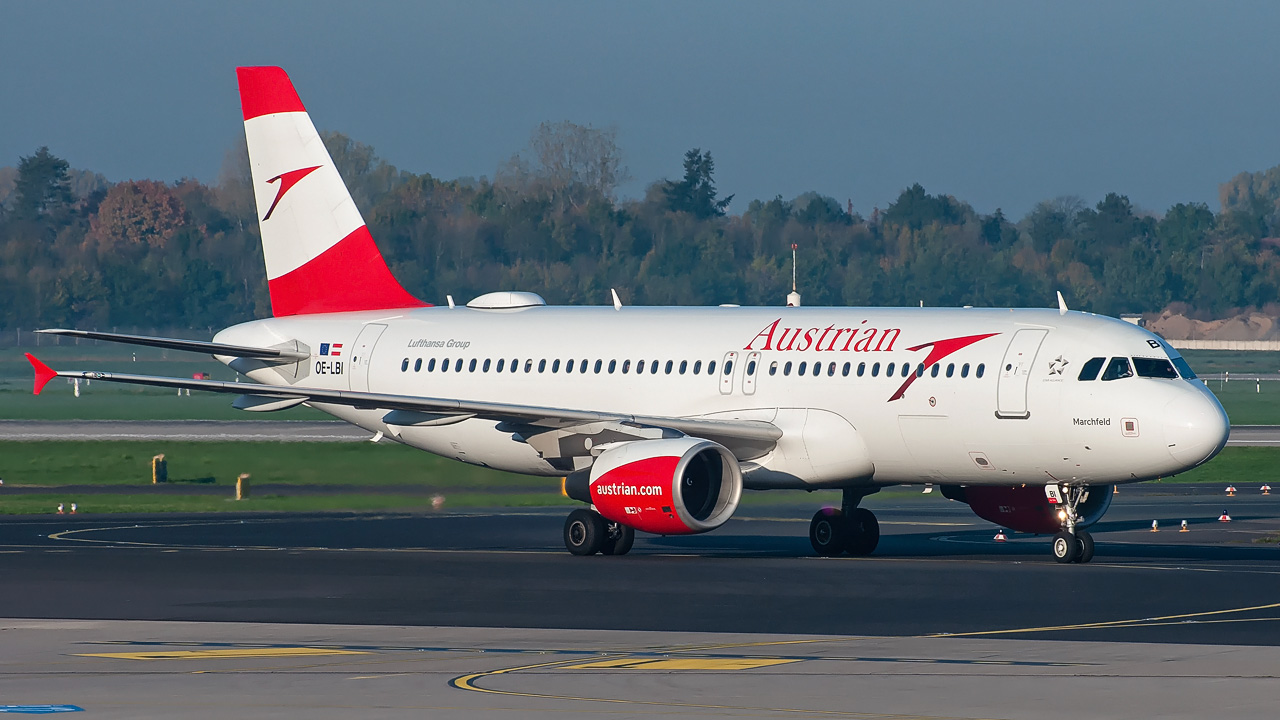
point(676, 486)
point(1026, 509)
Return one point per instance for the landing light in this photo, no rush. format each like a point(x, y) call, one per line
point(1062, 514)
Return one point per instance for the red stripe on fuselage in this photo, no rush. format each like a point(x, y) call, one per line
point(941, 349)
point(347, 277)
point(266, 90)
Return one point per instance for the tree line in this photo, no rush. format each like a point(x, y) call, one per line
point(77, 251)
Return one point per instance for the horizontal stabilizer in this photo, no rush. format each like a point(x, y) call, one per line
point(186, 345)
point(43, 373)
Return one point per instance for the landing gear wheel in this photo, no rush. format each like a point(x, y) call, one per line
point(1066, 548)
point(828, 532)
point(619, 539)
point(864, 532)
point(1086, 546)
point(584, 532)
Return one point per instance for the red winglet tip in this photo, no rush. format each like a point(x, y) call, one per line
point(266, 90)
point(44, 373)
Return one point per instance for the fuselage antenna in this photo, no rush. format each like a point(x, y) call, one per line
point(793, 299)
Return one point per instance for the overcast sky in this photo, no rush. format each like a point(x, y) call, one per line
point(1001, 104)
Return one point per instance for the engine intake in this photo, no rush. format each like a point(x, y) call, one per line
point(676, 486)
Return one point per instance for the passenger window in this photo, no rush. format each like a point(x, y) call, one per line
point(1117, 369)
point(555, 366)
point(670, 365)
point(472, 366)
point(751, 368)
point(888, 371)
point(582, 368)
point(711, 368)
point(431, 365)
point(542, 366)
point(906, 369)
point(639, 367)
point(404, 366)
point(599, 364)
point(1090, 369)
point(684, 365)
point(920, 370)
point(773, 368)
point(653, 368)
point(845, 371)
point(457, 367)
point(626, 366)
point(568, 366)
point(613, 365)
point(528, 365)
point(831, 370)
point(444, 366)
point(964, 370)
point(728, 367)
point(501, 362)
point(697, 366)
point(786, 369)
point(933, 371)
point(486, 365)
point(803, 367)
point(1154, 368)
point(875, 370)
point(981, 369)
point(951, 369)
point(817, 369)
point(862, 368)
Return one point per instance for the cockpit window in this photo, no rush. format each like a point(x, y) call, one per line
point(1154, 368)
point(1117, 368)
point(1091, 368)
point(1183, 368)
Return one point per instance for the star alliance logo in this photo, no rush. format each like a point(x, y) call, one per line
point(1057, 365)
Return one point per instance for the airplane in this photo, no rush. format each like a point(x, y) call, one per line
point(657, 418)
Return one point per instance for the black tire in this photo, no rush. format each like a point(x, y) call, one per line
point(621, 540)
point(1065, 547)
point(864, 532)
point(583, 532)
point(1086, 546)
point(828, 532)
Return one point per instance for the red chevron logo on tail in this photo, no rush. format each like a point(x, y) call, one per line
point(287, 181)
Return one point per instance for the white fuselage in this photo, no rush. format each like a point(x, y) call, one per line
point(1005, 409)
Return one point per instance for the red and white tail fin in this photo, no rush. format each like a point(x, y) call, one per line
point(319, 253)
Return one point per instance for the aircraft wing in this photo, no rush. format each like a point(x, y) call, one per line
point(747, 439)
point(277, 353)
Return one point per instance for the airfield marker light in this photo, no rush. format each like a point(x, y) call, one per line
point(73, 508)
point(1115, 489)
point(1184, 526)
point(60, 510)
point(1266, 489)
point(1155, 526)
point(1231, 491)
point(1224, 517)
point(437, 502)
point(1000, 536)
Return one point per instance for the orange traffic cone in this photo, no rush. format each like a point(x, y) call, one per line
point(1184, 526)
point(1000, 536)
point(1231, 491)
point(1224, 517)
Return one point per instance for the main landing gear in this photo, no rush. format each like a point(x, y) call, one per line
point(587, 532)
point(1072, 544)
point(848, 529)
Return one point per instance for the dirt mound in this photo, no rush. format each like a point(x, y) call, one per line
point(1247, 326)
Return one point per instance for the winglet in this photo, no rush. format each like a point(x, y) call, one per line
point(44, 373)
point(1062, 304)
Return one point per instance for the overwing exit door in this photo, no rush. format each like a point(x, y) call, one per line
point(1015, 372)
point(363, 354)
point(727, 370)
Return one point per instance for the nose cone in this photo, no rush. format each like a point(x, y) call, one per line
point(1195, 427)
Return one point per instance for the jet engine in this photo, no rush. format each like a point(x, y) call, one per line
point(675, 486)
point(1025, 508)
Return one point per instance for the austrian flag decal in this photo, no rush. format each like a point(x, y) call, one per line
point(331, 349)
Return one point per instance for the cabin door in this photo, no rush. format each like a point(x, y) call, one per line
point(1015, 372)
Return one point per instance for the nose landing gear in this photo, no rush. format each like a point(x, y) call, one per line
point(1072, 544)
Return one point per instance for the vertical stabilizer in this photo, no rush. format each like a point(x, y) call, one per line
point(319, 253)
